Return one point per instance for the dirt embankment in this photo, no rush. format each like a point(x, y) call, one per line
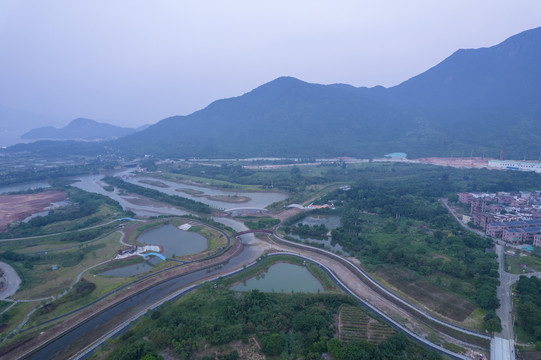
point(19, 207)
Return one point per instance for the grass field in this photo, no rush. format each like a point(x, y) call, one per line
point(443, 302)
point(514, 263)
point(355, 325)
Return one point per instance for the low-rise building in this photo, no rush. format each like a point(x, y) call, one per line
point(537, 240)
point(513, 236)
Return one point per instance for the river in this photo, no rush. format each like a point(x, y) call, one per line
point(256, 199)
point(75, 340)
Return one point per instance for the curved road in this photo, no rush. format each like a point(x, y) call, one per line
point(386, 291)
point(362, 291)
point(333, 276)
point(11, 280)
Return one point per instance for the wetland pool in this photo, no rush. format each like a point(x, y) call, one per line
point(174, 241)
point(282, 277)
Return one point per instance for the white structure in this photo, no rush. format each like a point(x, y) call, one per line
point(515, 165)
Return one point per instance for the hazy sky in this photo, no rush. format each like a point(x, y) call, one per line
point(134, 62)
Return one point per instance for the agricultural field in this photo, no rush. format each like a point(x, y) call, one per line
point(356, 325)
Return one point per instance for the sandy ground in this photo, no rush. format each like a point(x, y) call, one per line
point(9, 279)
point(471, 162)
point(19, 207)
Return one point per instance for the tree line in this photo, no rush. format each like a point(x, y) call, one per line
point(175, 200)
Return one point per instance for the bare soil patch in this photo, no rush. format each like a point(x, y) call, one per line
point(531, 355)
point(437, 299)
point(19, 207)
point(248, 351)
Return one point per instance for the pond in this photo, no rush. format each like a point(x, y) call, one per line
point(129, 270)
point(331, 222)
point(282, 277)
point(174, 241)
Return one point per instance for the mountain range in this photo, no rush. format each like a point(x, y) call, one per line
point(477, 100)
point(80, 129)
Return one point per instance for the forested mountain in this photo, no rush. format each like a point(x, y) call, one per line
point(483, 100)
point(79, 129)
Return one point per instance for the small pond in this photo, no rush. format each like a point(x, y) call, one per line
point(331, 222)
point(129, 270)
point(174, 241)
point(282, 277)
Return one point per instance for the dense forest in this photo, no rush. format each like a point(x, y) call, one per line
point(175, 200)
point(291, 326)
point(529, 306)
point(415, 232)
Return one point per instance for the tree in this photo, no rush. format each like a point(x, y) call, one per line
point(273, 344)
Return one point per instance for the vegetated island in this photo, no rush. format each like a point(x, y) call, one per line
point(235, 199)
point(154, 183)
point(175, 200)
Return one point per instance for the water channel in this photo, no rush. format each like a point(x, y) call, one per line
point(129, 270)
point(76, 339)
point(92, 183)
point(282, 277)
point(257, 199)
point(67, 345)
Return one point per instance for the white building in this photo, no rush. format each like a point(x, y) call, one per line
point(515, 165)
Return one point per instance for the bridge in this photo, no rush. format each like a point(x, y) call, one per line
point(152, 254)
point(253, 231)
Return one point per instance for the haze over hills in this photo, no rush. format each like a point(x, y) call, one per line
point(80, 129)
point(11, 120)
point(481, 100)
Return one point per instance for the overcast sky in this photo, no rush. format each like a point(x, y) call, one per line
point(135, 62)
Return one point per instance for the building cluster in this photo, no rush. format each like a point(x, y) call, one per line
point(513, 217)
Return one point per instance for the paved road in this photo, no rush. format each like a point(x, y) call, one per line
point(504, 295)
point(12, 281)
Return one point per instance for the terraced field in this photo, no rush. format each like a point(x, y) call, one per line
point(356, 325)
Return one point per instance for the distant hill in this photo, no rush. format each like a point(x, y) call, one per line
point(79, 129)
point(482, 100)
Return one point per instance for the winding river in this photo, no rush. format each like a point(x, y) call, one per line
point(68, 345)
